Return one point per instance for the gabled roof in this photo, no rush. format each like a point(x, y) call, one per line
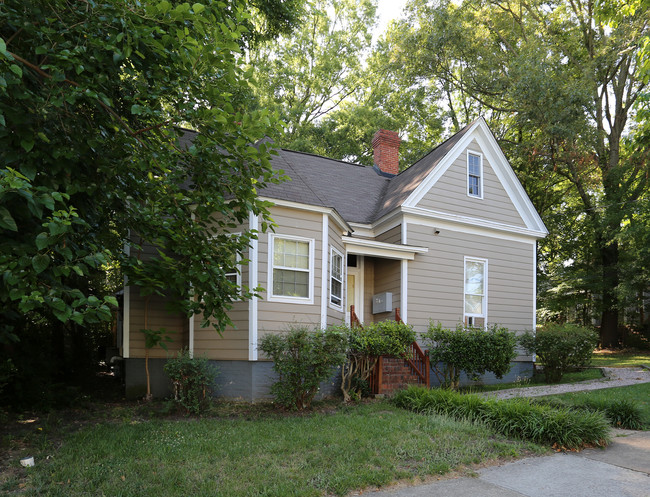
point(360, 195)
point(357, 192)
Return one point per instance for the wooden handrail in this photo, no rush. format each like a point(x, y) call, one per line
point(419, 362)
point(354, 319)
point(398, 318)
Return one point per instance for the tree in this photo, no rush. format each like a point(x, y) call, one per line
point(92, 98)
point(306, 75)
point(563, 89)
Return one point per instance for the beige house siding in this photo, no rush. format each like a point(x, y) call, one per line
point(158, 317)
point(449, 194)
point(387, 278)
point(334, 316)
point(436, 285)
point(278, 316)
point(393, 235)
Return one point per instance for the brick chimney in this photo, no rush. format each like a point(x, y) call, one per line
point(385, 144)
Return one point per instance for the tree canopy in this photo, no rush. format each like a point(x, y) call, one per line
point(94, 97)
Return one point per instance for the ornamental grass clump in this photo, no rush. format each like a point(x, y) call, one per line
point(621, 413)
point(516, 418)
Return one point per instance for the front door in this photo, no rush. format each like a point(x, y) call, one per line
point(355, 287)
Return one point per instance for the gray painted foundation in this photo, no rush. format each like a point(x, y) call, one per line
point(520, 370)
point(242, 380)
point(251, 380)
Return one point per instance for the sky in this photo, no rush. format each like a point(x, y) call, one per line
point(388, 10)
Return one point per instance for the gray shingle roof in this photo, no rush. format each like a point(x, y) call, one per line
point(358, 193)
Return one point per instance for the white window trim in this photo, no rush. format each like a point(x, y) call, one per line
point(481, 179)
point(331, 304)
point(485, 290)
point(283, 298)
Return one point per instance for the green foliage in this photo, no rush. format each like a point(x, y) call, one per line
point(365, 345)
point(470, 350)
point(621, 413)
point(92, 100)
point(560, 348)
point(193, 379)
point(303, 358)
point(153, 338)
point(383, 338)
point(518, 418)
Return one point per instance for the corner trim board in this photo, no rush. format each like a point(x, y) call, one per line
point(324, 279)
point(253, 224)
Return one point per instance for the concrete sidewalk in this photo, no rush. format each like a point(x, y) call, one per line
point(620, 470)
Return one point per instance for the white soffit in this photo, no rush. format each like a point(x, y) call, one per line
point(501, 167)
point(385, 250)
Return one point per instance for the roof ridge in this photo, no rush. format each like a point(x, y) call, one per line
point(322, 157)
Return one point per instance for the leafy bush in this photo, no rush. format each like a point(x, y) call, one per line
point(470, 350)
point(560, 348)
point(193, 379)
point(365, 345)
point(303, 358)
point(519, 418)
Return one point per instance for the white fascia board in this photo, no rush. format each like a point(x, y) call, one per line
point(363, 230)
point(311, 208)
point(438, 171)
point(508, 179)
point(471, 226)
point(361, 246)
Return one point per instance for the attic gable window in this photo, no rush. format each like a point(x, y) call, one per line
point(474, 175)
point(291, 260)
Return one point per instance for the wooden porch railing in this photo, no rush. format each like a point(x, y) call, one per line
point(354, 319)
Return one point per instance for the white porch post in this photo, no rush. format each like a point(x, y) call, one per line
point(404, 280)
point(253, 224)
point(324, 264)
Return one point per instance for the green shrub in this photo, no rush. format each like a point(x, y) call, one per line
point(518, 418)
point(193, 379)
point(365, 345)
point(470, 350)
point(560, 348)
point(303, 358)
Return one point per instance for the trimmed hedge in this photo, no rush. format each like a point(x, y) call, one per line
point(517, 418)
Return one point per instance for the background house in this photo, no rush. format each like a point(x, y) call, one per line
point(450, 239)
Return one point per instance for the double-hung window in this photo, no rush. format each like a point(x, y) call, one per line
point(475, 312)
point(336, 279)
point(474, 175)
point(291, 261)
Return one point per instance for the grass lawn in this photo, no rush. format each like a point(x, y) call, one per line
point(333, 451)
point(640, 394)
point(620, 359)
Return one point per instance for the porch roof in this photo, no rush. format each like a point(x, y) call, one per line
point(362, 246)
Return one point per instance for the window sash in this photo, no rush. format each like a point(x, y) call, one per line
point(474, 175)
point(292, 265)
point(475, 275)
point(336, 279)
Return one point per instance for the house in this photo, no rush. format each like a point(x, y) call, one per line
point(450, 239)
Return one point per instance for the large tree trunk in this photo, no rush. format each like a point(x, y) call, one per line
point(609, 323)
